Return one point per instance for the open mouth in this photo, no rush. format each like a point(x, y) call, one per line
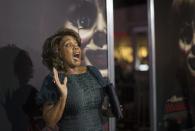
point(76, 56)
point(98, 58)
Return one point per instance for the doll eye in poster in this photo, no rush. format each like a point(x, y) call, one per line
point(84, 15)
point(186, 33)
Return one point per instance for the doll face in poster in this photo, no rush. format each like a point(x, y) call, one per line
point(187, 45)
point(185, 10)
point(88, 18)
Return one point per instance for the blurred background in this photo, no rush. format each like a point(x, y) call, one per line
point(131, 63)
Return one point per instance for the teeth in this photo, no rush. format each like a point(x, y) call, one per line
point(77, 55)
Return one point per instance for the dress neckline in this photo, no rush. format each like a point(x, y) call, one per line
point(80, 74)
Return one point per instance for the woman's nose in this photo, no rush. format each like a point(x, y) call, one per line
point(76, 47)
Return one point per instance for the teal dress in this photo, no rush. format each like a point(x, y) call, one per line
point(83, 106)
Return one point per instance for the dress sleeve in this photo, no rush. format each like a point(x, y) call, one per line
point(48, 92)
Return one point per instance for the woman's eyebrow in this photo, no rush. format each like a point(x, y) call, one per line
point(65, 41)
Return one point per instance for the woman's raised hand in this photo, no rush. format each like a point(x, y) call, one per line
point(61, 86)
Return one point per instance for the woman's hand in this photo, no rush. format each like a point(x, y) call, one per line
point(61, 86)
point(52, 113)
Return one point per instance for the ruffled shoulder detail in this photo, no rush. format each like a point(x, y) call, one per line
point(96, 73)
point(48, 92)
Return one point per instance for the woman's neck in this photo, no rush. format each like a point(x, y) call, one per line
point(75, 70)
point(71, 70)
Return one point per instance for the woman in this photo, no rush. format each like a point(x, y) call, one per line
point(89, 17)
point(71, 96)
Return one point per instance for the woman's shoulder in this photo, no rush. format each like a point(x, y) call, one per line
point(92, 69)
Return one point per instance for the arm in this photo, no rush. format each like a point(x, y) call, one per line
point(52, 113)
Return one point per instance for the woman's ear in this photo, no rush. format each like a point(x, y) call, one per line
point(60, 56)
point(58, 51)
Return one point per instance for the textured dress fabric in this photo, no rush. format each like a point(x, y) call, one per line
point(83, 106)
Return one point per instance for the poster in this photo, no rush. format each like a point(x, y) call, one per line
point(174, 56)
point(24, 27)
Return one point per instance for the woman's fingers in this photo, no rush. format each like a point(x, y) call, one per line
point(65, 80)
point(56, 78)
point(61, 86)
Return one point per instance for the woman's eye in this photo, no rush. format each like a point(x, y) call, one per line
point(67, 45)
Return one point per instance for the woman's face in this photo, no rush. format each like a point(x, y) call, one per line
point(70, 51)
point(89, 20)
